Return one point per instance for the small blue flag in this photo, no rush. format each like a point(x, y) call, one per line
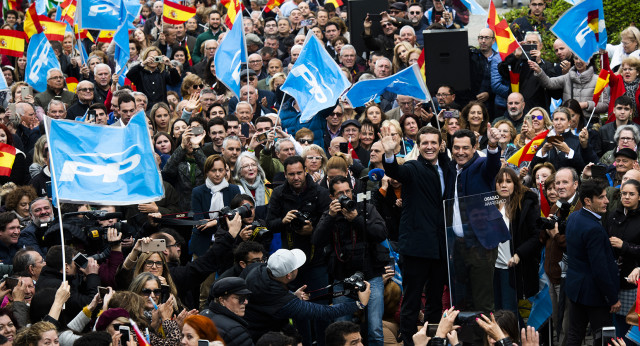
point(473, 7)
point(105, 14)
point(85, 168)
point(407, 82)
point(121, 40)
point(230, 56)
point(634, 335)
point(541, 308)
point(583, 29)
point(40, 59)
point(315, 81)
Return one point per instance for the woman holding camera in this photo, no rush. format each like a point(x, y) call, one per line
point(153, 74)
point(623, 226)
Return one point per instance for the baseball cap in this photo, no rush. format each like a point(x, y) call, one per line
point(283, 261)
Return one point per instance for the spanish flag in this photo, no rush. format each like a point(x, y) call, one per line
point(68, 11)
point(186, 46)
point(271, 4)
point(421, 65)
point(84, 33)
point(593, 19)
point(505, 40)
point(603, 79)
point(527, 152)
point(12, 42)
point(233, 8)
point(7, 157)
point(176, 14)
point(514, 77)
point(545, 209)
point(34, 23)
point(106, 36)
point(72, 84)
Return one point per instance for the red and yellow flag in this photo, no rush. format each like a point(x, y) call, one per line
point(505, 40)
point(84, 33)
point(233, 8)
point(514, 77)
point(34, 23)
point(186, 46)
point(106, 36)
point(603, 79)
point(271, 4)
point(12, 42)
point(72, 84)
point(68, 11)
point(592, 21)
point(336, 3)
point(527, 152)
point(7, 157)
point(545, 209)
point(421, 65)
point(176, 14)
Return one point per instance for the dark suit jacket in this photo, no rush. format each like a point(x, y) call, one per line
point(200, 203)
point(477, 176)
point(592, 277)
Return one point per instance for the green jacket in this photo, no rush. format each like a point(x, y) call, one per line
point(196, 55)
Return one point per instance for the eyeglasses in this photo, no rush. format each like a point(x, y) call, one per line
point(537, 5)
point(415, 12)
point(314, 158)
point(537, 117)
point(386, 25)
point(150, 263)
point(305, 141)
point(485, 38)
point(627, 139)
point(251, 165)
point(147, 292)
point(197, 86)
point(86, 90)
point(256, 260)
point(443, 95)
point(56, 77)
point(335, 114)
point(174, 244)
point(628, 69)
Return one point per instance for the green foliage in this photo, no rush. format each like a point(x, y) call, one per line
point(618, 15)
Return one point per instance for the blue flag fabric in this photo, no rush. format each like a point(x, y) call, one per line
point(230, 56)
point(40, 59)
point(541, 308)
point(290, 119)
point(407, 82)
point(121, 40)
point(315, 80)
point(581, 31)
point(473, 7)
point(634, 334)
point(105, 14)
point(3, 83)
point(86, 168)
point(82, 51)
point(397, 277)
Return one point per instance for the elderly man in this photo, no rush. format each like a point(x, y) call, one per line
point(256, 64)
point(28, 262)
point(85, 92)
point(55, 87)
point(262, 96)
point(28, 137)
point(348, 59)
point(56, 110)
point(102, 78)
point(408, 34)
point(41, 215)
point(272, 166)
point(208, 49)
point(274, 66)
point(213, 33)
point(271, 40)
point(406, 105)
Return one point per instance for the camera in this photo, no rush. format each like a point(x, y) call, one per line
point(158, 58)
point(244, 211)
point(300, 220)
point(560, 218)
point(347, 203)
point(259, 229)
point(355, 283)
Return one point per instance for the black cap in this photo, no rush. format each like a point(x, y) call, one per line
point(231, 285)
point(400, 6)
point(243, 73)
point(351, 122)
point(626, 152)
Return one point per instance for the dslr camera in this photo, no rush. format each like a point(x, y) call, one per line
point(347, 203)
point(300, 220)
point(244, 211)
point(355, 283)
point(560, 218)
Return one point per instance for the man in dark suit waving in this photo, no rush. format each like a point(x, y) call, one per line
point(592, 278)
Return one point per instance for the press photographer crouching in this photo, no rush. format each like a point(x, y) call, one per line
point(272, 304)
point(352, 240)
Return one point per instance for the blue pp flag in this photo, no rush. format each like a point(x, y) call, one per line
point(407, 82)
point(315, 80)
point(105, 14)
point(582, 28)
point(634, 335)
point(121, 40)
point(473, 7)
point(3, 83)
point(230, 56)
point(40, 59)
point(86, 168)
point(541, 308)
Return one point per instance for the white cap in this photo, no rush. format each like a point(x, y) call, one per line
point(284, 261)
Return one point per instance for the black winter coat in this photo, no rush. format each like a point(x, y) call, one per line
point(232, 328)
point(527, 245)
point(627, 228)
point(82, 292)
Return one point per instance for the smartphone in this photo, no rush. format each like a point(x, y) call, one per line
point(450, 114)
point(48, 187)
point(25, 91)
point(92, 116)
point(124, 338)
point(431, 330)
point(608, 333)
point(103, 291)
point(166, 293)
point(156, 245)
point(244, 129)
point(12, 108)
point(81, 260)
point(261, 137)
point(203, 342)
point(598, 171)
point(529, 47)
point(555, 139)
point(305, 22)
point(158, 58)
point(11, 282)
point(375, 17)
point(197, 130)
point(344, 147)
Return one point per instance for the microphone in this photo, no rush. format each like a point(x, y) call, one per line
point(376, 174)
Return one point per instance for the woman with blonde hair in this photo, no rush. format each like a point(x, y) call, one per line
point(40, 333)
point(628, 47)
point(153, 74)
point(338, 165)
point(191, 84)
point(40, 156)
point(315, 160)
point(397, 134)
point(156, 264)
point(401, 56)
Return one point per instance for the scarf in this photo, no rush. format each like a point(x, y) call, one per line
point(259, 189)
point(216, 196)
point(630, 90)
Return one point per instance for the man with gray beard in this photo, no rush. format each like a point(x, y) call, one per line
point(41, 214)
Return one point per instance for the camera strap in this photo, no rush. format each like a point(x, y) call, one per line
point(337, 248)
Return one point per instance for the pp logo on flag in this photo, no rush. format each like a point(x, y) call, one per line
point(109, 171)
point(315, 88)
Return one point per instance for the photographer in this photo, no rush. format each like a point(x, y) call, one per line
point(272, 304)
point(153, 74)
point(353, 243)
point(253, 226)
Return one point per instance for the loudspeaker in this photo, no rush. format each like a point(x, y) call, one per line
point(446, 57)
point(357, 11)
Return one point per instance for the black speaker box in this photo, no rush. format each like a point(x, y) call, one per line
point(446, 57)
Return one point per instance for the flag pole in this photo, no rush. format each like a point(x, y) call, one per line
point(591, 116)
point(55, 189)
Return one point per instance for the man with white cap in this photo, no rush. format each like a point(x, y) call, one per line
point(272, 304)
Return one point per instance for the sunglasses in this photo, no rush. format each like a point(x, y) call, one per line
point(85, 90)
point(537, 117)
point(197, 86)
point(147, 292)
point(305, 141)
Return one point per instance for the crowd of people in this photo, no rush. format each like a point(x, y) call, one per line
point(284, 235)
